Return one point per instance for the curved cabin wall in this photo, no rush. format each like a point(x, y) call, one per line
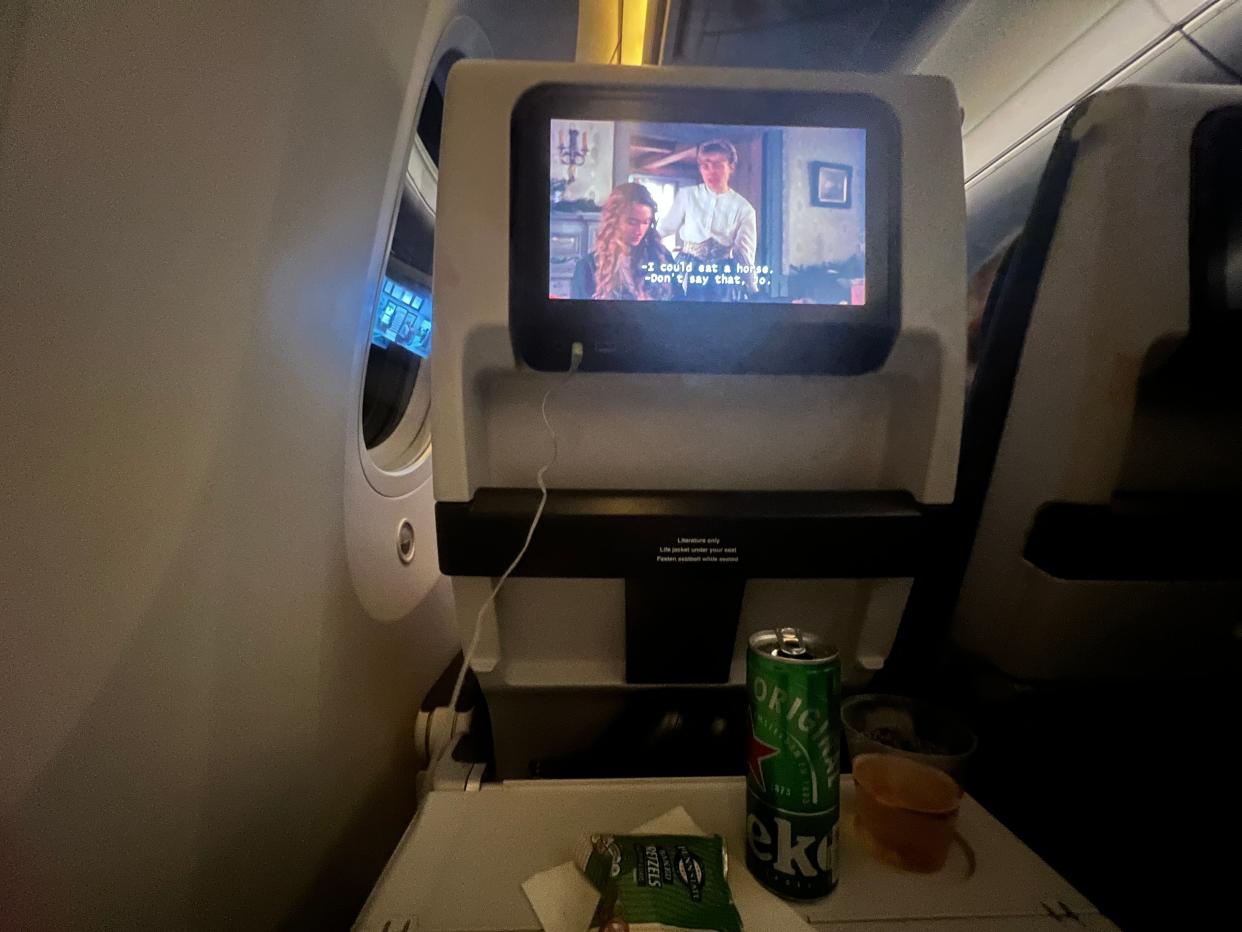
point(199, 725)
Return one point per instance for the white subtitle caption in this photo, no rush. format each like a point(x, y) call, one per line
point(702, 273)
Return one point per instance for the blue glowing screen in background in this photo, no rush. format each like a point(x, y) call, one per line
point(403, 317)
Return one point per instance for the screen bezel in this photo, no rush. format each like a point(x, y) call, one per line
point(694, 336)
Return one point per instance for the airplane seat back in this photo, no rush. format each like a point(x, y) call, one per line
point(1102, 450)
point(689, 506)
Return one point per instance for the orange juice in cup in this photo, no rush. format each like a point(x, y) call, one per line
point(905, 811)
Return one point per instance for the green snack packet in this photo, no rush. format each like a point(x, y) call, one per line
point(658, 883)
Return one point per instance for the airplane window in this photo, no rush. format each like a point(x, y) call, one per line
point(396, 394)
point(400, 341)
point(431, 121)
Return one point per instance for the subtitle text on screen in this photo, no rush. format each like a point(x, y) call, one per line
point(702, 273)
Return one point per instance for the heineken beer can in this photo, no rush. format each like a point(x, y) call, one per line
point(792, 781)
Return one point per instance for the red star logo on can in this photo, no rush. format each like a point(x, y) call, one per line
point(759, 752)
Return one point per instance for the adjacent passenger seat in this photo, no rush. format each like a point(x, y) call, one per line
point(1094, 579)
point(1102, 452)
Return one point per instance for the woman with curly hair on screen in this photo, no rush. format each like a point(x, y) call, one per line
point(625, 242)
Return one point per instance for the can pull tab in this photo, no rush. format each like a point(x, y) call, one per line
point(789, 642)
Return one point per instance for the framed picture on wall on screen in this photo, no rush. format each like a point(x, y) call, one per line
point(832, 185)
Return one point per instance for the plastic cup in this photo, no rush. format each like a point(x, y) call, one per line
point(905, 811)
point(875, 724)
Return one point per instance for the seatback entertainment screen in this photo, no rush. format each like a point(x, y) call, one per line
point(682, 229)
point(707, 212)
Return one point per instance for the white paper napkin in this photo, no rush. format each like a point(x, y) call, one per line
point(564, 901)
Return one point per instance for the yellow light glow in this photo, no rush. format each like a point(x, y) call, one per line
point(633, 30)
point(598, 24)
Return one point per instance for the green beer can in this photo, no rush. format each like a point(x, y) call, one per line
point(793, 779)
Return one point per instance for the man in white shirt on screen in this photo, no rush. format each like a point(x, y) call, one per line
point(714, 225)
